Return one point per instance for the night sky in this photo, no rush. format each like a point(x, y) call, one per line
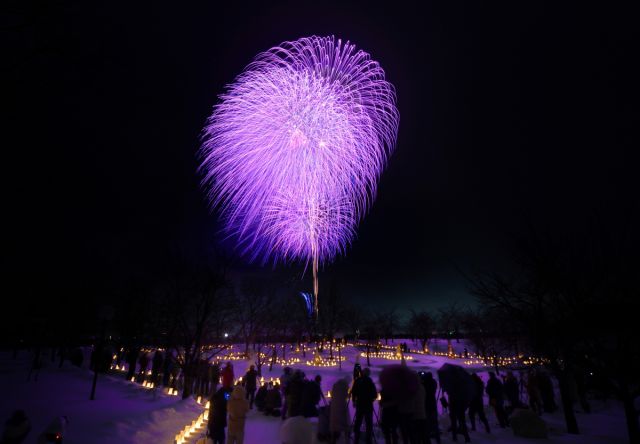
point(510, 116)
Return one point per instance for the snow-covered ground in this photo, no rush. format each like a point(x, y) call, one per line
point(126, 413)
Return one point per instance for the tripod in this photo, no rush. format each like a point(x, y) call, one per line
point(377, 423)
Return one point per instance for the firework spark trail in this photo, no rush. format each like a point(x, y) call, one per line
point(293, 152)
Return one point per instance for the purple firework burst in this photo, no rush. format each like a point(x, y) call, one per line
point(293, 152)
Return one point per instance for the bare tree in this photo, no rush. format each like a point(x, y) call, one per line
point(449, 322)
point(421, 325)
point(196, 302)
point(253, 310)
point(572, 299)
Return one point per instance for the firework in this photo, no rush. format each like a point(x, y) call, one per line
point(293, 152)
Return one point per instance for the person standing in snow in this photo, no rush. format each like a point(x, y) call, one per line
point(261, 396)
point(431, 404)
point(476, 407)
point(284, 382)
point(363, 394)
point(250, 381)
point(546, 391)
point(311, 396)
point(338, 411)
point(273, 401)
point(512, 390)
point(533, 392)
point(495, 390)
point(293, 394)
point(237, 408)
point(389, 417)
point(227, 376)
point(218, 415)
point(419, 430)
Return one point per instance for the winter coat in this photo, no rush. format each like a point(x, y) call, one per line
point(512, 390)
point(273, 400)
point(389, 416)
point(338, 411)
point(237, 407)
point(419, 411)
point(311, 396)
point(218, 410)
point(494, 389)
point(430, 387)
point(261, 398)
point(227, 376)
point(294, 395)
point(250, 380)
point(476, 399)
point(364, 393)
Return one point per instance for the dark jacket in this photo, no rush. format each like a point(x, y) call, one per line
point(363, 393)
point(494, 389)
point(478, 391)
point(273, 399)
point(311, 396)
point(250, 380)
point(294, 395)
point(218, 410)
point(261, 398)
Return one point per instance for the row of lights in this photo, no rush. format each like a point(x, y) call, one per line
point(386, 355)
point(190, 429)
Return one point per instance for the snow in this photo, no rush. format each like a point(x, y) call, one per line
point(126, 413)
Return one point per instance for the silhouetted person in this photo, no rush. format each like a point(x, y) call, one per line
point(227, 376)
point(250, 381)
point(273, 400)
point(495, 391)
point(533, 392)
point(293, 394)
point(357, 371)
point(512, 390)
point(546, 391)
point(363, 394)
point(284, 382)
point(218, 415)
point(237, 407)
point(457, 409)
point(431, 404)
point(261, 396)
point(311, 396)
point(338, 411)
point(389, 418)
point(419, 431)
point(476, 407)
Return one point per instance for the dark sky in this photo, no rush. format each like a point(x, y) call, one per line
point(509, 116)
